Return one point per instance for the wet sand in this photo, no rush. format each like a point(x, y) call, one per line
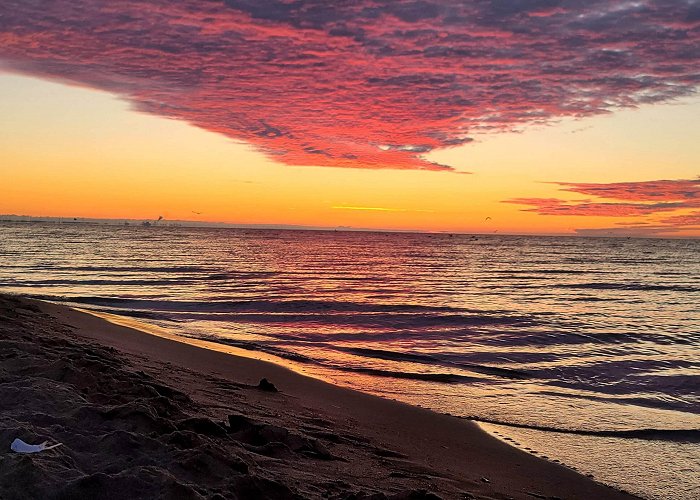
point(147, 416)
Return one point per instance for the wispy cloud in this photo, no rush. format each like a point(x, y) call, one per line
point(629, 199)
point(369, 83)
point(666, 195)
point(686, 190)
point(666, 226)
point(554, 206)
point(689, 219)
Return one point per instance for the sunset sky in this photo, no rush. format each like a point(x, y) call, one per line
point(539, 116)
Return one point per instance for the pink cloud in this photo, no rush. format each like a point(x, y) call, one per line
point(636, 199)
point(554, 206)
point(667, 195)
point(689, 219)
point(369, 84)
point(663, 190)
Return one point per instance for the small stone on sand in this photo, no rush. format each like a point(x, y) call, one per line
point(266, 385)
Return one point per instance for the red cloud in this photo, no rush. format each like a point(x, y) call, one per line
point(664, 190)
point(668, 195)
point(690, 219)
point(370, 83)
point(554, 206)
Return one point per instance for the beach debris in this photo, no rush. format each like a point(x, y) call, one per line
point(266, 385)
point(485, 480)
point(19, 446)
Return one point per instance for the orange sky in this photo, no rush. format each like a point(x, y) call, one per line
point(432, 116)
point(69, 151)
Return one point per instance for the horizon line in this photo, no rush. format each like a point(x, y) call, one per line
point(162, 222)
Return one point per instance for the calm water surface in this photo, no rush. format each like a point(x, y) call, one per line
point(586, 351)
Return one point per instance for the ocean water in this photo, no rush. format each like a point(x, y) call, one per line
point(582, 350)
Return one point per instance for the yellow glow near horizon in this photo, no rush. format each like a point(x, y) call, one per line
point(70, 151)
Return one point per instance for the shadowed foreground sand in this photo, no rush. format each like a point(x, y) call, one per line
point(143, 416)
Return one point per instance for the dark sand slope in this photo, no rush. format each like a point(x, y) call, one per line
point(143, 416)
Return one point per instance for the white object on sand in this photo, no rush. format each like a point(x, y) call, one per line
point(20, 446)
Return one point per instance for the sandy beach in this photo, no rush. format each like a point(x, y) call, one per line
point(146, 416)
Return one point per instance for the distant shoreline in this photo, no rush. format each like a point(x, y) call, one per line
point(166, 223)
